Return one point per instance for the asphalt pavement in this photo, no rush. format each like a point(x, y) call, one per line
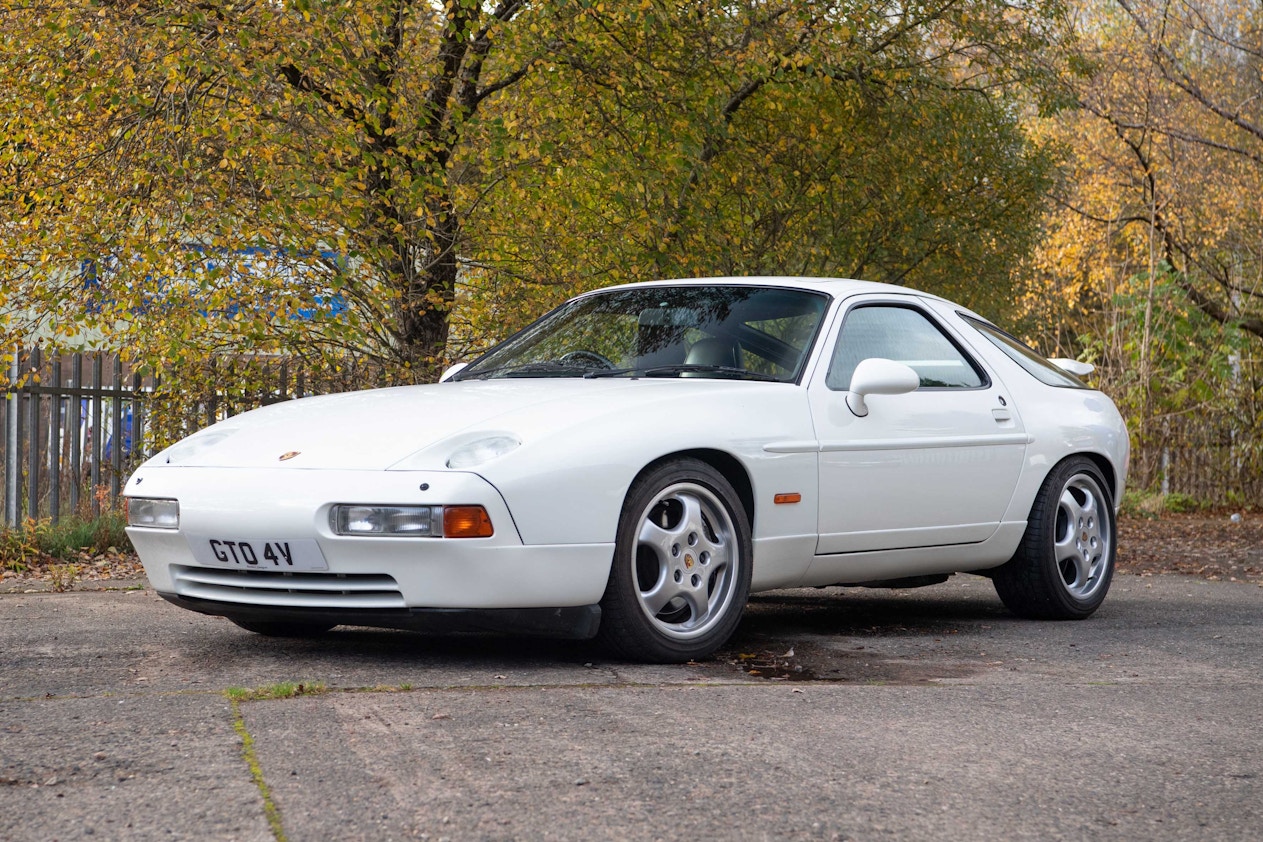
point(835, 714)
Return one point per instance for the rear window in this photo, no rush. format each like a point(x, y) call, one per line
point(1029, 359)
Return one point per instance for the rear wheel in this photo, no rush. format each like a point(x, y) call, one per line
point(1063, 568)
point(682, 563)
point(284, 628)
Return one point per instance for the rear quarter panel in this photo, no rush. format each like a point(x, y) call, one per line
point(1061, 422)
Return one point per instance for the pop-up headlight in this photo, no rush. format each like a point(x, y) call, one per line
point(185, 450)
point(482, 450)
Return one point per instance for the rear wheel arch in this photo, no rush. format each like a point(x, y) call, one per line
point(1063, 566)
point(1110, 475)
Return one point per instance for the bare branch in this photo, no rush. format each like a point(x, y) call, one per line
point(1174, 71)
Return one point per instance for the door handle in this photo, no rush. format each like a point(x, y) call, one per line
point(1001, 415)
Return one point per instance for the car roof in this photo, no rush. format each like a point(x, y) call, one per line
point(837, 287)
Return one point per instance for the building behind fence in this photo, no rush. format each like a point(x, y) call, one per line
point(77, 424)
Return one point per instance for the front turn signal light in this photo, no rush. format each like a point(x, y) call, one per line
point(466, 522)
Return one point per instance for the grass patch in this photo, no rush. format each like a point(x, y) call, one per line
point(18, 549)
point(69, 539)
point(1149, 504)
point(62, 577)
point(281, 690)
point(71, 536)
point(293, 689)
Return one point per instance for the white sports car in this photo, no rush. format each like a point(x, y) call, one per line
point(635, 463)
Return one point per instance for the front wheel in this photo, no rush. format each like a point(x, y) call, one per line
point(1063, 568)
point(682, 564)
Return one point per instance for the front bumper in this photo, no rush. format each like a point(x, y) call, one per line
point(365, 576)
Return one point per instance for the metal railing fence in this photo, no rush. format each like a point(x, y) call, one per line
point(77, 424)
point(74, 425)
point(1215, 461)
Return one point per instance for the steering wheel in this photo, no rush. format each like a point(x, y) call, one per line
point(591, 358)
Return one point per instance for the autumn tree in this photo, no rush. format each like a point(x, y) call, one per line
point(1154, 246)
point(870, 140)
point(195, 177)
point(220, 167)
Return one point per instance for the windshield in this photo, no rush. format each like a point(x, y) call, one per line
point(734, 332)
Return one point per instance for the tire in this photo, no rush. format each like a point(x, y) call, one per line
point(1063, 568)
point(284, 628)
point(682, 564)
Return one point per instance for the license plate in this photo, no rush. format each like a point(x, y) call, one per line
point(258, 554)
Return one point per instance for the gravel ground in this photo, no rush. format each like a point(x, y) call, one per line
point(1209, 545)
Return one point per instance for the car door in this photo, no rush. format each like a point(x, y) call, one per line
point(930, 467)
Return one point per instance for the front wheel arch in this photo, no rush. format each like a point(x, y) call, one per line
point(728, 465)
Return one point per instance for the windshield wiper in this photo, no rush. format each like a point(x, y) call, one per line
point(682, 368)
point(537, 369)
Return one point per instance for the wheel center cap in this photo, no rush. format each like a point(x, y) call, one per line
point(688, 561)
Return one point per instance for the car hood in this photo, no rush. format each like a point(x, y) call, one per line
point(379, 428)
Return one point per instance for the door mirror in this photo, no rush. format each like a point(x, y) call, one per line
point(877, 376)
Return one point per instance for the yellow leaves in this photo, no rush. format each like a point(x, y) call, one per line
point(1149, 165)
point(566, 181)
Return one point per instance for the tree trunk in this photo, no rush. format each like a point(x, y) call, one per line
point(426, 273)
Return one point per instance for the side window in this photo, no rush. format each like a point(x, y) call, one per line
point(905, 335)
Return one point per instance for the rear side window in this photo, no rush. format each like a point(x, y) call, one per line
point(905, 335)
point(1018, 351)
